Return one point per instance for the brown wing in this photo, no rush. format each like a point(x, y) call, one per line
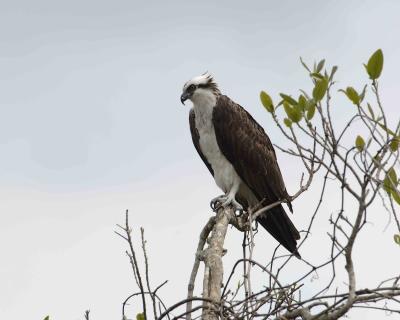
point(245, 144)
point(196, 139)
point(247, 147)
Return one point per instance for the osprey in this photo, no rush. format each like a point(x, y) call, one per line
point(240, 156)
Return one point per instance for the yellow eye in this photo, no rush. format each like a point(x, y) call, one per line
point(192, 87)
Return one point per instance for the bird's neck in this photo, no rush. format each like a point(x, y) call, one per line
point(203, 105)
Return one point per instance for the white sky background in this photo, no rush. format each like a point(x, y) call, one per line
point(91, 124)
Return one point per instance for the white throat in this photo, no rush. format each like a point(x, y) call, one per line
point(204, 102)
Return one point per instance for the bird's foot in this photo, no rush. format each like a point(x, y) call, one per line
point(216, 202)
point(224, 201)
point(232, 201)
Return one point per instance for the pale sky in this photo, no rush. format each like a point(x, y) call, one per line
point(91, 124)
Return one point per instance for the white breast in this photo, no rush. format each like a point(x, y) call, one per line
point(225, 175)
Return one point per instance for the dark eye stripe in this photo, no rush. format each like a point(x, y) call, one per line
point(204, 85)
point(209, 85)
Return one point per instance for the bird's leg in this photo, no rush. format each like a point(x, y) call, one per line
point(230, 200)
point(226, 199)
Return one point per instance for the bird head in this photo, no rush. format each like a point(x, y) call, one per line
point(199, 87)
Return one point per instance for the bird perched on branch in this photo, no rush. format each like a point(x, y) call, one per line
point(240, 156)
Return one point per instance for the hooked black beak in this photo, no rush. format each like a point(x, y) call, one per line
point(184, 97)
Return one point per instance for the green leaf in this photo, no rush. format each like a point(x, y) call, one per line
point(375, 65)
point(390, 182)
point(396, 238)
point(304, 65)
point(266, 101)
point(387, 186)
point(360, 143)
point(362, 95)
point(47, 318)
point(287, 122)
point(305, 94)
point(288, 109)
point(320, 66)
point(393, 176)
point(394, 144)
point(334, 69)
point(140, 316)
point(371, 111)
point(293, 113)
point(386, 129)
point(396, 196)
point(288, 99)
point(302, 103)
point(298, 113)
point(316, 75)
point(352, 94)
point(311, 111)
point(320, 89)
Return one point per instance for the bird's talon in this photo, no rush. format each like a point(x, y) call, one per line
point(224, 201)
point(217, 202)
point(216, 207)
